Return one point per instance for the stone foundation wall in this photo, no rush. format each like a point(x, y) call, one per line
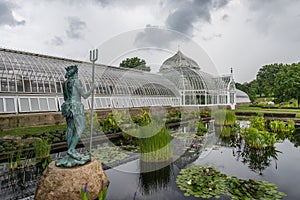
point(30, 120)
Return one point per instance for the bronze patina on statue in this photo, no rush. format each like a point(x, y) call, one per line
point(61, 179)
point(73, 110)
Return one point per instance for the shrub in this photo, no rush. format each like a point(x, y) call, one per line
point(258, 139)
point(201, 129)
point(284, 130)
point(109, 125)
point(143, 119)
point(42, 149)
point(258, 123)
point(204, 113)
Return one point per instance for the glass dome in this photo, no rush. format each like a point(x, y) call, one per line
point(242, 97)
point(179, 60)
point(195, 86)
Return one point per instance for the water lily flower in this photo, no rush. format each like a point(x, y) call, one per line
point(207, 170)
point(189, 182)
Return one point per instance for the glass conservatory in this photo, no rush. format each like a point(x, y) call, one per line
point(33, 83)
point(195, 86)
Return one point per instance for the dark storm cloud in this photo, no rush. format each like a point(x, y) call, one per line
point(6, 14)
point(219, 3)
point(157, 37)
point(182, 18)
point(76, 26)
point(57, 41)
point(225, 17)
point(185, 15)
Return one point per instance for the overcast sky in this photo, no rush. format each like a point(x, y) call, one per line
point(242, 34)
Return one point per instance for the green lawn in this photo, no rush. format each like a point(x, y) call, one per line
point(271, 110)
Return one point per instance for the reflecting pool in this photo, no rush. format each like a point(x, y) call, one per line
point(279, 165)
point(131, 178)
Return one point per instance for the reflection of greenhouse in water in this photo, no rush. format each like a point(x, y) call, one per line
point(33, 83)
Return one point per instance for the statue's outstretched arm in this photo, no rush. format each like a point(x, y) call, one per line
point(81, 91)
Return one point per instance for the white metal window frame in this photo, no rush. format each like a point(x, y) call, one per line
point(4, 101)
point(51, 103)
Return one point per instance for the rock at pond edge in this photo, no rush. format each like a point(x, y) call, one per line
point(66, 183)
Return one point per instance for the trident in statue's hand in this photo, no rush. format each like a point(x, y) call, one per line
point(93, 59)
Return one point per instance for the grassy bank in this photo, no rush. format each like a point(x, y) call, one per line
point(269, 110)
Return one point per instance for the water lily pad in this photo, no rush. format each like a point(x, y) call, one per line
point(207, 182)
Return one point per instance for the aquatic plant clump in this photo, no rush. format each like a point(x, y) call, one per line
point(109, 155)
point(207, 182)
point(251, 189)
point(202, 181)
point(282, 128)
point(257, 136)
point(224, 117)
point(157, 147)
point(259, 139)
point(258, 122)
point(143, 119)
point(109, 124)
point(202, 130)
point(226, 131)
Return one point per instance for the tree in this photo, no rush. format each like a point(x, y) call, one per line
point(266, 77)
point(135, 63)
point(243, 87)
point(287, 83)
point(254, 90)
point(249, 88)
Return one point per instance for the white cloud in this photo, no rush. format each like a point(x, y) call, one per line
point(243, 34)
point(7, 16)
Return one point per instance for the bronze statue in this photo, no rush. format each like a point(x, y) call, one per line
point(73, 110)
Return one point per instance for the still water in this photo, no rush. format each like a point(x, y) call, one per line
point(280, 166)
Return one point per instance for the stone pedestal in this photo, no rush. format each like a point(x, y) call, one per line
point(66, 183)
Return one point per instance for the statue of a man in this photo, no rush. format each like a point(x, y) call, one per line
point(73, 110)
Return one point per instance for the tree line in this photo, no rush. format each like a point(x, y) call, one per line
point(281, 81)
point(135, 63)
